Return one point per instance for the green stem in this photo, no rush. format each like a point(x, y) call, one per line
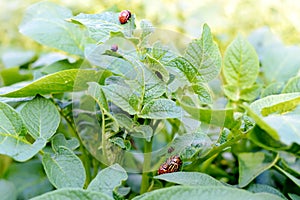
point(146, 166)
point(103, 137)
point(215, 151)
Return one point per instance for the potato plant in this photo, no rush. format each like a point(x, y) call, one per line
point(116, 109)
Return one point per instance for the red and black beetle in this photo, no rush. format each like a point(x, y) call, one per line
point(124, 16)
point(171, 165)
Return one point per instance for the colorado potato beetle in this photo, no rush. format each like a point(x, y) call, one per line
point(171, 165)
point(124, 16)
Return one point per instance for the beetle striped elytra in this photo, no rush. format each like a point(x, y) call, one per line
point(171, 165)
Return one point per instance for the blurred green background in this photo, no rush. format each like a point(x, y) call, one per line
point(226, 18)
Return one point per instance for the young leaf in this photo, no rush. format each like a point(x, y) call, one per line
point(204, 94)
point(7, 190)
point(64, 169)
point(190, 178)
point(108, 179)
point(40, 117)
point(63, 81)
point(204, 192)
point(59, 140)
point(247, 94)
point(204, 55)
point(156, 66)
point(293, 85)
point(147, 29)
point(190, 71)
point(272, 89)
point(241, 65)
point(12, 140)
point(72, 194)
point(96, 92)
point(161, 109)
point(46, 23)
point(142, 131)
point(253, 164)
point(154, 87)
point(123, 97)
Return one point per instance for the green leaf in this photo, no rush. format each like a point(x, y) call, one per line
point(162, 53)
point(204, 55)
point(279, 103)
point(63, 81)
point(7, 190)
point(220, 117)
point(241, 65)
point(280, 63)
point(41, 118)
point(257, 188)
point(60, 66)
point(293, 85)
point(96, 92)
point(64, 169)
point(291, 177)
point(294, 196)
point(190, 178)
point(100, 25)
point(161, 109)
point(16, 57)
point(29, 179)
point(247, 94)
point(142, 131)
point(59, 140)
point(96, 55)
point(205, 192)
point(122, 96)
point(46, 23)
point(124, 121)
point(154, 87)
point(147, 28)
point(272, 115)
point(203, 92)
point(108, 179)
point(190, 71)
point(118, 141)
point(156, 66)
point(12, 140)
point(14, 75)
point(271, 89)
point(72, 194)
point(253, 164)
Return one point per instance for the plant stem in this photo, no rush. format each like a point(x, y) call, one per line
point(216, 150)
point(146, 166)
